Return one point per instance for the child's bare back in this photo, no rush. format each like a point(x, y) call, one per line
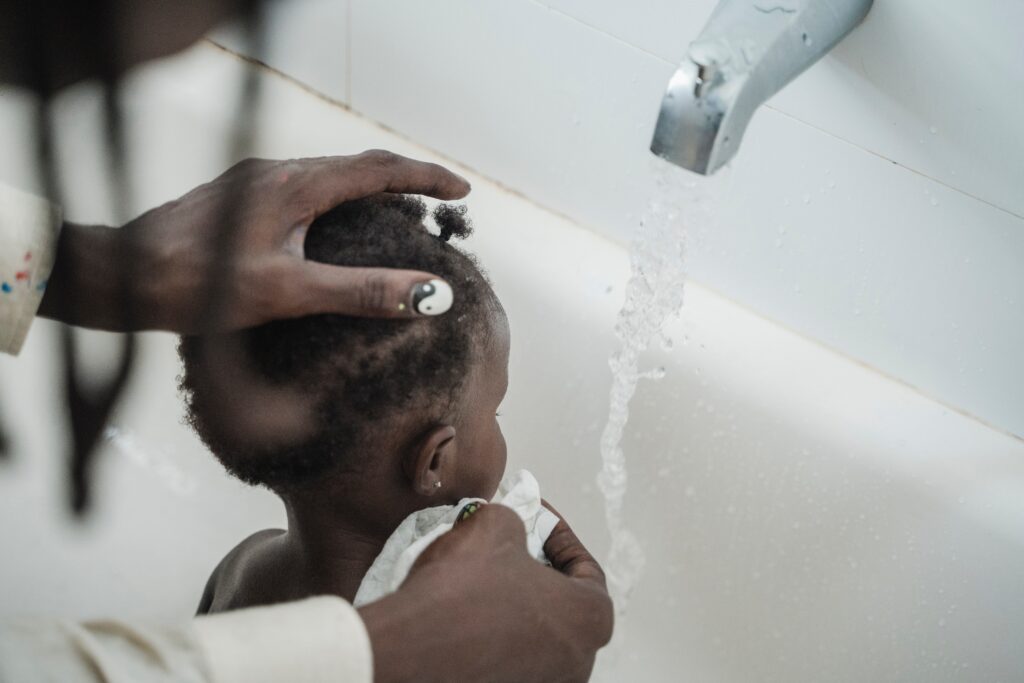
point(253, 573)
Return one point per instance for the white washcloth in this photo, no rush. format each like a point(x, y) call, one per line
point(519, 491)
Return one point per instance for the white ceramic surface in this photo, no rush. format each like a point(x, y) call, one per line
point(896, 246)
point(805, 518)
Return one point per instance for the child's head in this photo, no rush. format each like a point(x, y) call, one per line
point(405, 403)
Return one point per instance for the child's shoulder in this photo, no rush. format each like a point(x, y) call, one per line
point(231, 578)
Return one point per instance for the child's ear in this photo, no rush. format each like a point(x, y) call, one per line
point(430, 467)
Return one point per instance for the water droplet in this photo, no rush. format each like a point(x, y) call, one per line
point(808, 41)
point(782, 229)
point(933, 130)
point(807, 199)
point(576, 121)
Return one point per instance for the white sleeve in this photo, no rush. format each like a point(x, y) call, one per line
point(29, 227)
point(312, 641)
point(316, 640)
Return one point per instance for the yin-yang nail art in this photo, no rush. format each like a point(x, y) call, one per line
point(433, 297)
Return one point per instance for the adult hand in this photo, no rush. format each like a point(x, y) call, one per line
point(477, 607)
point(568, 555)
point(172, 270)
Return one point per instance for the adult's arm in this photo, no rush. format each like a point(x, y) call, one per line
point(28, 238)
point(173, 269)
point(475, 607)
point(266, 207)
point(317, 640)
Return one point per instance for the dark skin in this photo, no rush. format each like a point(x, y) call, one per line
point(174, 249)
point(335, 534)
point(475, 606)
point(338, 527)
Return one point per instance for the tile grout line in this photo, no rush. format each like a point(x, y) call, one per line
point(577, 20)
point(618, 243)
point(922, 174)
point(344, 106)
point(768, 105)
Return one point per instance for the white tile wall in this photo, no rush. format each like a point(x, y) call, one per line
point(913, 67)
point(662, 27)
point(306, 39)
point(912, 271)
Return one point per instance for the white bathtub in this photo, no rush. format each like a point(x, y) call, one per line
point(804, 518)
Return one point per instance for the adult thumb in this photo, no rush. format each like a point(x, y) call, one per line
point(373, 292)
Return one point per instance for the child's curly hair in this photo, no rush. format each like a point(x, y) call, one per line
point(360, 371)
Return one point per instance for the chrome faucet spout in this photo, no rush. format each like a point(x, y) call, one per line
point(746, 53)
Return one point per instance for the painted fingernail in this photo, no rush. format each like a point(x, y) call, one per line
point(467, 511)
point(432, 297)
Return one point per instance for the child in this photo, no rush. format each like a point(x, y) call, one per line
point(405, 419)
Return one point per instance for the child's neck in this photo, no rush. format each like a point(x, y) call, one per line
point(330, 553)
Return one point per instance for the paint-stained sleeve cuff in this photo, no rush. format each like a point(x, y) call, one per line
point(318, 639)
point(29, 227)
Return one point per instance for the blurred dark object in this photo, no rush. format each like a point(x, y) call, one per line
point(75, 40)
point(88, 410)
point(5, 444)
point(44, 46)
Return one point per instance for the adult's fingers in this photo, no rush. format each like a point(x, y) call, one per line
point(370, 292)
point(568, 554)
point(333, 180)
point(493, 528)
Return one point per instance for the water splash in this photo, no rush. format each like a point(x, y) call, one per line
point(654, 293)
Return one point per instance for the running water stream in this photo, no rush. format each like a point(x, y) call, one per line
point(654, 293)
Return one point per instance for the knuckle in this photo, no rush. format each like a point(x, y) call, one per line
point(285, 298)
point(248, 164)
point(503, 521)
point(379, 158)
point(373, 292)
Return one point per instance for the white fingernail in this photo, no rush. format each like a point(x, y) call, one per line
point(433, 297)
